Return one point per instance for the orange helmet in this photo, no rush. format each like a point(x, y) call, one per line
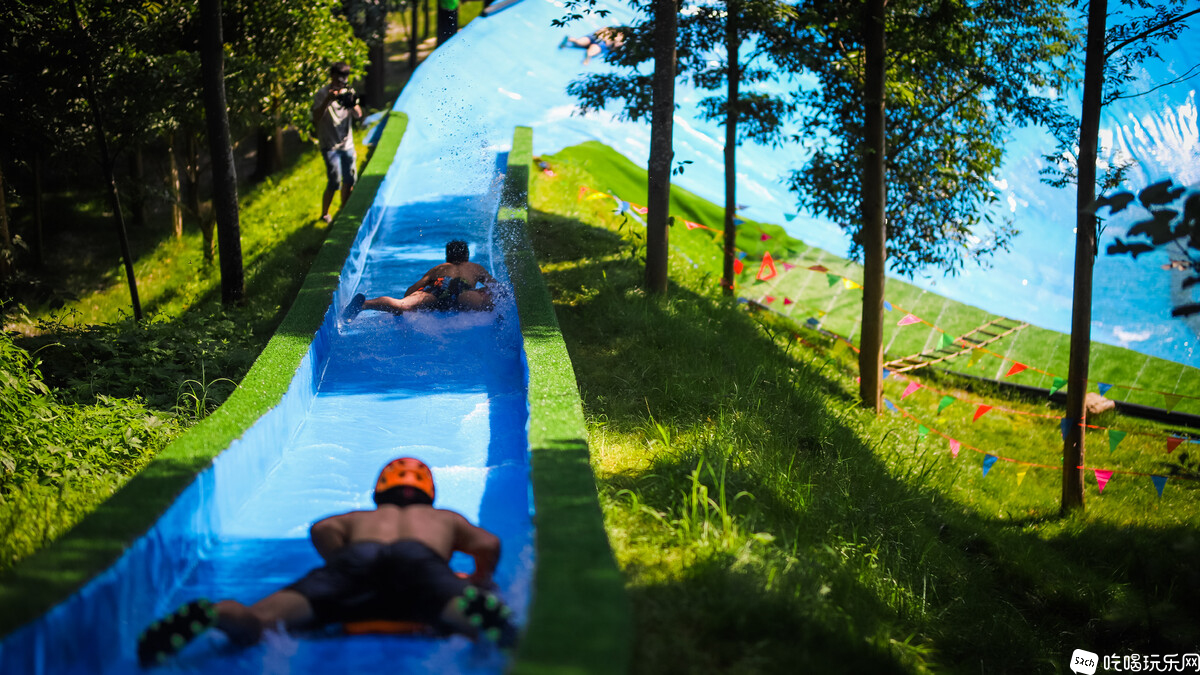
point(406, 472)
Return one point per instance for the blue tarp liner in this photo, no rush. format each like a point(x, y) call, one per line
point(451, 389)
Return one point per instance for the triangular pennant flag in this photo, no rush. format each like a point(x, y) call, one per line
point(1103, 388)
point(1064, 427)
point(738, 221)
point(692, 226)
point(886, 372)
point(787, 267)
point(599, 195)
point(787, 301)
point(789, 217)
point(988, 461)
point(1021, 471)
point(922, 430)
point(890, 406)
point(1102, 477)
point(979, 412)
point(838, 348)
point(819, 268)
point(738, 266)
point(764, 237)
point(1159, 483)
point(1059, 383)
point(944, 341)
point(1114, 438)
point(973, 358)
point(767, 269)
point(1172, 400)
point(741, 254)
point(642, 210)
point(622, 207)
point(769, 298)
point(820, 314)
point(912, 386)
point(583, 190)
point(832, 278)
point(908, 320)
point(946, 400)
point(1173, 442)
point(887, 306)
point(954, 447)
point(1016, 368)
point(812, 322)
point(850, 285)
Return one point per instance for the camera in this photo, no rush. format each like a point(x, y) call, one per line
point(348, 98)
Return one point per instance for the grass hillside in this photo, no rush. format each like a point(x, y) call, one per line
point(765, 523)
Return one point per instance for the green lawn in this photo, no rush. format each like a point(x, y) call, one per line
point(766, 523)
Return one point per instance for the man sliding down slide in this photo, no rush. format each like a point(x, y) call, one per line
point(389, 564)
point(448, 286)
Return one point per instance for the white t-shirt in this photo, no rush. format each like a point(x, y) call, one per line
point(333, 129)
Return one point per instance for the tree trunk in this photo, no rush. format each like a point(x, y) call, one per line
point(447, 24)
point(137, 192)
point(5, 235)
point(376, 71)
point(413, 36)
point(114, 198)
point(662, 111)
point(39, 214)
point(874, 206)
point(224, 173)
point(264, 156)
point(1085, 256)
point(732, 43)
point(203, 216)
point(173, 187)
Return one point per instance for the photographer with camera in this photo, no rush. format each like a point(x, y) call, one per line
point(334, 109)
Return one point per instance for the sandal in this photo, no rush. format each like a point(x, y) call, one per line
point(169, 634)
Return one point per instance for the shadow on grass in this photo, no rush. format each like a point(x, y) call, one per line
point(860, 568)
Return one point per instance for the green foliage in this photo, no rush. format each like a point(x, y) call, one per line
point(960, 74)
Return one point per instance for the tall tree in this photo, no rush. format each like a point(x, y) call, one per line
point(959, 74)
point(874, 203)
point(224, 173)
point(662, 127)
point(1111, 56)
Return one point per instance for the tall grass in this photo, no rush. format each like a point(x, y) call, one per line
point(765, 523)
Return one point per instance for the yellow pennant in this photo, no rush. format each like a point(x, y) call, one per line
point(850, 285)
point(1021, 471)
point(973, 358)
point(599, 195)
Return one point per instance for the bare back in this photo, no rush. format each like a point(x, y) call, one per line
point(468, 271)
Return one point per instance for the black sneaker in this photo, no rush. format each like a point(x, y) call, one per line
point(489, 615)
point(169, 634)
point(355, 306)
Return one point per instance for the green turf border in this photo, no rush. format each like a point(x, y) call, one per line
point(579, 618)
point(52, 574)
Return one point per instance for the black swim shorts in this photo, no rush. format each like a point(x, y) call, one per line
point(402, 581)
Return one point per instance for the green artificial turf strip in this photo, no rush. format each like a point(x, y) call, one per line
point(50, 575)
point(811, 292)
point(580, 619)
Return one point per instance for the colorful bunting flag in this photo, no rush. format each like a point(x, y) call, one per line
point(764, 236)
point(622, 207)
point(1114, 438)
point(741, 254)
point(1159, 483)
point(922, 430)
point(974, 358)
point(1172, 400)
point(787, 266)
point(1103, 388)
point(980, 411)
point(954, 447)
point(1172, 443)
point(599, 195)
point(912, 386)
point(819, 268)
point(908, 320)
point(787, 301)
point(1016, 368)
point(944, 341)
point(832, 278)
point(738, 221)
point(693, 226)
point(1102, 478)
point(812, 322)
point(886, 372)
point(890, 406)
point(988, 461)
point(1022, 469)
point(887, 306)
point(839, 348)
point(767, 269)
point(737, 266)
point(1059, 383)
point(583, 190)
point(642, 210)
point(850, 285)
point(769, 298)
point(946, 401)
point(789, 217)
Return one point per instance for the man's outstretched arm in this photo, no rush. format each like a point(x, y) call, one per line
point(329, 535)
point(481, 545)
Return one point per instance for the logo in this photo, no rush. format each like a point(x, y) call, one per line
point(1084, 662)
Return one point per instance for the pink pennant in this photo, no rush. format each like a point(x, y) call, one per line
point(818, 268)
point(549, 172)
point(1016, 368)
point(1102, 477)
point(908, 320)
point(764, 237)
point(787, 267)
point(787, 301)
point(692, 226)
point(980, 411)
point(955, 446)
point(912, 386)
point(643, 210)
point(1173, 442)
